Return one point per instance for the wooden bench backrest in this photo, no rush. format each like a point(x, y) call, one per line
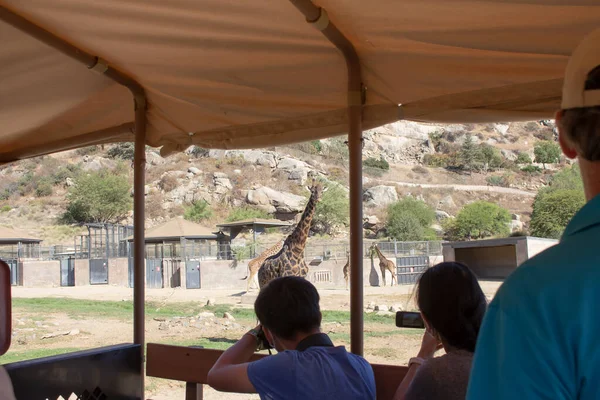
point(5, 308)
point(188, 364)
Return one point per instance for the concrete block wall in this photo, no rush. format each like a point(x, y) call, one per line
point(82, 272)
point(41, 273)
point(118, 271)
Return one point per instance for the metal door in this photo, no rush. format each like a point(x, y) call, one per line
point(154, 273)
point(14, 271)
point(192, 274)
point(99, 271)
point(409, 269)
point(67, 272)
point(130, 271)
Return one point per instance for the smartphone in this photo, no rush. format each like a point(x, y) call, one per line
point(407, 319)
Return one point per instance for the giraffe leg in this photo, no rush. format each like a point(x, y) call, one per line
point(383, 274)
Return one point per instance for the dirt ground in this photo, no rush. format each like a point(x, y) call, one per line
point(384, 343)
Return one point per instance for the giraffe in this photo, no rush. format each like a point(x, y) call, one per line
point(347, 269)
point(255, 264)
point(384, 264)
point(290, 259)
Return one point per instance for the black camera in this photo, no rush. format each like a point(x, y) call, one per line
point(263, 343)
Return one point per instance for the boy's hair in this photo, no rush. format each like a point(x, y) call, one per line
point(581, 126)
point(288, 306)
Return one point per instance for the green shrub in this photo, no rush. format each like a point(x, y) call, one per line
point(531, 126)
point(123, 151)
point(199, 152)
point(168, 183)
point(5, 208)
point(504, 180)
point(337, 149)
point(317, 145)
point(553, 210)
point(243, 213)
point(101, 196)
point(531, 169)
point(198, 211)
point(556, 204)
point(333, 210)
point(478, 220)
point(546, 152)
point(436, 160)
point(375, 163)
point(410, 219)
point(60, 175)
point(523, 158)
point(43, 187)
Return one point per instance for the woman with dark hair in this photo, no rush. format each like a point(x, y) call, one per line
point(452, 305)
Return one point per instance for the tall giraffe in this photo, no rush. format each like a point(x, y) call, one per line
point(384, 264)
point(290, 259)
point(347, 269)
point(255, 264)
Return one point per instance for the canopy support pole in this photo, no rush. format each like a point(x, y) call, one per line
point(319, 19)
point(98, 65)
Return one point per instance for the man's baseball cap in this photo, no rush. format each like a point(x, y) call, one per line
point(584, 59)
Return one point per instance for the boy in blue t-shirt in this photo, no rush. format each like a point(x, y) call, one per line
point(307, 365)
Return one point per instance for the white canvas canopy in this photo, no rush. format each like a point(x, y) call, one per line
point(248, 74)
point(240, 74)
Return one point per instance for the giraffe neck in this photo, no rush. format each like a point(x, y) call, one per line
point(380, 254)
point(297, 240)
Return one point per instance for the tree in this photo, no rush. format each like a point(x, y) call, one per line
point(478, 220)
point(100, 196)
point(124, 151)
point(332, 210)
point(546, 152)
point(410, 219)
point(523, 158)
point(468, 153)
point(553, 211)
point(198, 211)
point(242, 213)
point(557, 203)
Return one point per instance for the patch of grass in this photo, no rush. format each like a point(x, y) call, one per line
point(385, 352)
point(15, 356)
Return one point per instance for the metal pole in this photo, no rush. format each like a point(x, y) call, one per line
point(139, 171)
point(319, 19)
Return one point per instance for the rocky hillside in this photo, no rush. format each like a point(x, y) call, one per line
point(401, 159)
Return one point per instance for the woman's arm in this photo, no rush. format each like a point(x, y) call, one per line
point(429, 345)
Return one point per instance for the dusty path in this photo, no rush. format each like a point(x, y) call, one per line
point(466, 188)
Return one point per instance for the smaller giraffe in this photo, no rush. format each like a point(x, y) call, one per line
point(384, 264)
point(255, 264)
point(347, 269)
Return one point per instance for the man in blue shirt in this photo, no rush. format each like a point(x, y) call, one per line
point(307, 365)
point(540, 337)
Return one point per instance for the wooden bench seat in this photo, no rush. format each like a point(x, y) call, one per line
point(191, 365)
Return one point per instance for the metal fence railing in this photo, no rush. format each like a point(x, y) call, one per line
point(213, 250)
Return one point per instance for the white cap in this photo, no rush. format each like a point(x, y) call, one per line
point(584, 59)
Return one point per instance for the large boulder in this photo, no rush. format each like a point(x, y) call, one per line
point(509, 154)
point(256, 157)
point(273, 201)
point(297, 170)
point(441, 215)
point(222, 183)
point(98, 163)
point(380, 196)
